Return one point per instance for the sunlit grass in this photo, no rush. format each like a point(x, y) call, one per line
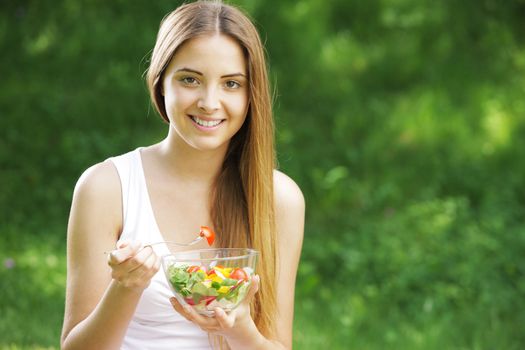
point(32, 295)
point(429, 275)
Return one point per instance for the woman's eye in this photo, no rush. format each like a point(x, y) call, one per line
point(189, 81)
point(232, 84)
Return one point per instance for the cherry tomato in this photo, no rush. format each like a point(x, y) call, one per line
point(207, 233)
point(239, 274)
point(209, 299)
point(189, 301)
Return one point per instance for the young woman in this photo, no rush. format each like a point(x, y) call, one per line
point(208, 81)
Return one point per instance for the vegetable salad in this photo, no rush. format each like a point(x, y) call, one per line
point(207, 288)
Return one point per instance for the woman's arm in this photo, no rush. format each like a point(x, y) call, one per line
point(100, 301)
point(289, 213)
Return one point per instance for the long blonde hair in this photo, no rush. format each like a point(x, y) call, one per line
point(242, 207)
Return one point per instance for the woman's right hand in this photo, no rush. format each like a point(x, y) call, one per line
point(132, 265)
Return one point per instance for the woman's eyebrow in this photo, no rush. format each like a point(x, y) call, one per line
point(189, 70)
point(234, 75)
point(201, 74)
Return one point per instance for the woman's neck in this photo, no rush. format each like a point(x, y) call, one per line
point(187, 163)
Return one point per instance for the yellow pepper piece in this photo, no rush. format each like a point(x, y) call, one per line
point(216, 278)
point(224, 289)
point(225, 271)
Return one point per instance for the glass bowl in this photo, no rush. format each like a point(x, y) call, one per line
point(210, 278)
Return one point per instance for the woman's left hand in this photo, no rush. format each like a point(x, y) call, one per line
point(233, 323)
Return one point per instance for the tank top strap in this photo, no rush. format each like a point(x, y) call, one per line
point(134, 193)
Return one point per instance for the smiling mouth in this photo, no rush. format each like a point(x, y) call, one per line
point(206, 123)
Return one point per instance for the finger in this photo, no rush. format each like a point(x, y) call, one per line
point(150, 266)
point(137, 271)
point(111, 258)
point(122, 243)
point(156, 265)
point(184, 310)
point(225, 320)
point(254, 288)
point(120, 255)
point(207, 323)
point(143, 260)
point(177, 306)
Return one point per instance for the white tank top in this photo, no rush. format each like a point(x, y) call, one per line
point(155, 324)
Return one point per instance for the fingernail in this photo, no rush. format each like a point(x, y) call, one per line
point(122, 243)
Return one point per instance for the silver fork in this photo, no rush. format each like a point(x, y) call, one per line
point(196, 240)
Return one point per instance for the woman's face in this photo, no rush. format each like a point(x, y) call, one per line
point(205, 90)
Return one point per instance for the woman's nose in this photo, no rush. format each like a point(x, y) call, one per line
point(209, 100)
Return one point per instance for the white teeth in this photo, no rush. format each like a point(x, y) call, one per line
point(206, 123)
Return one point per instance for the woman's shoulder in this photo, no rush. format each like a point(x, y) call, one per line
point(103, 177)
point(99, 183)
point(96, 205)
point(289, 205)
point(286, 190)
point(289, 214)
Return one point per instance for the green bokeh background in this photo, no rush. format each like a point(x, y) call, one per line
point(403, 121)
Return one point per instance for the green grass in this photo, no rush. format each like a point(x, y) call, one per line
point(435, 274)
point(32, 293)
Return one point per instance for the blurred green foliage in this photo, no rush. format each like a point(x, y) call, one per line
point(403, 121)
